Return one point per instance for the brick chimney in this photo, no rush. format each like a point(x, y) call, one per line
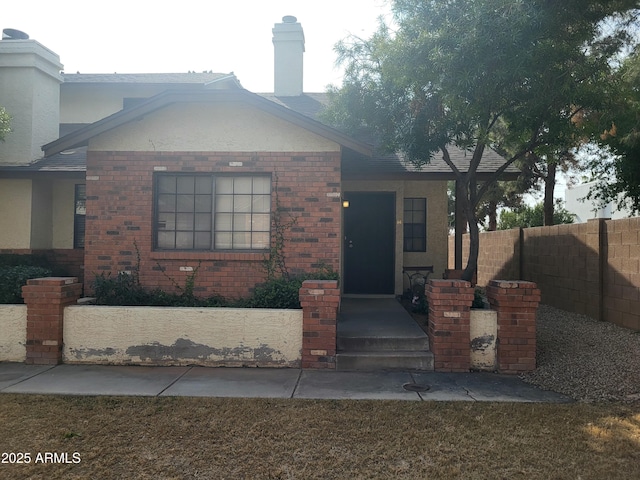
point(288, 44)
point(30, 92)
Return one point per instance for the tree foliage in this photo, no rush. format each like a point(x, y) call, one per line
point(617, 169)
point(512, 75)
point(5, 123)
point(533, 216)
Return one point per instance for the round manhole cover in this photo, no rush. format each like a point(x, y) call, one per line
point(415, 387)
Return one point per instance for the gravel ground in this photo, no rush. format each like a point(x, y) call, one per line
point(583, 358)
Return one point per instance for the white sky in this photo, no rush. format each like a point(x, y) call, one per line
point(143, 36)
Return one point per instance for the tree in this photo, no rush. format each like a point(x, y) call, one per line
point(533, 216)
point(505, 74)
point(617, 168)
point(5, 123)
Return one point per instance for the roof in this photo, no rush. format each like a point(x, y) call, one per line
point(146, 78)
point(81, 136)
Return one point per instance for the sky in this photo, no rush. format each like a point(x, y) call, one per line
point(142, 36)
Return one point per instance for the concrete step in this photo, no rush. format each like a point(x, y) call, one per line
point(382, 343)
point(385, 360)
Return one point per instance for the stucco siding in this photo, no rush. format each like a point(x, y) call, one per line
point(211, 128)
point(63, 193)
point(13, 333)
point(15, 213)
point(182, 336)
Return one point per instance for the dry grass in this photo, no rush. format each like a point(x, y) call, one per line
point(240, 438)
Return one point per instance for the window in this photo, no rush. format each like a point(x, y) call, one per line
point(415, 224)
point(207, 212)
point(79, 214)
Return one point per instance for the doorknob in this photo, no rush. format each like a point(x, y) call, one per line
point(350, 243)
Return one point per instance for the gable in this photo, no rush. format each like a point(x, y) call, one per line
point(211, 127)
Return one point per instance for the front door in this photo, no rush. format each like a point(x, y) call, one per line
point(369, 243)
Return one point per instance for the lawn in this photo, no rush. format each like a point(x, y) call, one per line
point(129, 437)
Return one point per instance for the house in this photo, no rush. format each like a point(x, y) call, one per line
point(583, 209)
point(171, 172)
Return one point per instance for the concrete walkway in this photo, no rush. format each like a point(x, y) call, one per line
point(266, 383)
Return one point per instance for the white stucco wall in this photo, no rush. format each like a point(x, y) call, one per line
point(211, 127)
point(15, 213)
point(13, 333)
point(182, 336)
point(483, 333)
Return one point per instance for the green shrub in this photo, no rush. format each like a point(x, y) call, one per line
point(13, 278)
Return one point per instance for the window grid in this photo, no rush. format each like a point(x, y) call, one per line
point(415, 224)
point(209, 212)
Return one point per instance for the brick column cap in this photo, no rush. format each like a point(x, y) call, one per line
point(443, 283)
point(512, 284)
point(57, 281)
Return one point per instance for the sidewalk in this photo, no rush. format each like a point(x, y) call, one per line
point(267, 383)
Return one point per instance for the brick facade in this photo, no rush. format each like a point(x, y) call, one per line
point(46, 299)
point(320, 301)
point(449, 314)
point(516, 303)
point(120, 216)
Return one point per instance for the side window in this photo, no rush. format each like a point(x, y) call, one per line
point(415, 224)
point(80, 200)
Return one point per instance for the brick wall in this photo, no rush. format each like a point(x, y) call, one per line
point(591, 268)
point(120, 212)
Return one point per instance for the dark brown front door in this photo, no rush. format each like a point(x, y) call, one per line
point(369, 243)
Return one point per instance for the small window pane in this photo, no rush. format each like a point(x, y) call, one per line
point(242, 203)
point(203, 203)
point(167, 184)
point(184, 221)
point(186, 185)
point(166, 240)
point(224, 222)
point(224, 185)
point(224, 203)
point(184, 240)
point(166, 203)
point(242, 185)
point(242, 222)
point(185, 203)
point(260, 240)
point(261, 185)
point(166, 221)
point(203, 185)
point(261, 203)
point(223, 240)
point(242, 240)
point(260, 223)
point(203, 240)
point(203, 222)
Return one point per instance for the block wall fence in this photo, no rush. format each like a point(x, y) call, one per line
point(120, 214)
point(590, 268)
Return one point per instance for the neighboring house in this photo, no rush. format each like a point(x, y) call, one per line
point(584, 209)
point(186, 170)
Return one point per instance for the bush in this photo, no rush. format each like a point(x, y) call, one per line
point(13, 278)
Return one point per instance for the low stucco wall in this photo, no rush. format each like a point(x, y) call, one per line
point(13, 333)
point(182, 336)
point(483, 332)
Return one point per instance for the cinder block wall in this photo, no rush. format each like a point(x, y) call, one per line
point(591, 268)
point(120, 211)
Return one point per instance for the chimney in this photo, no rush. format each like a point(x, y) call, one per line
point(30, 91)
point(288, 44)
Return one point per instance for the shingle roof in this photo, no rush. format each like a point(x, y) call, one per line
point(160, 78)
point(69, 161)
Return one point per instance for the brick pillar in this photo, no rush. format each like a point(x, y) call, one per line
point(449, 311)
point(45, 299)
point(320, 300)
point(516, 303)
